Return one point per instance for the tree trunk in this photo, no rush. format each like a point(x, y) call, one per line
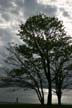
point(42, 101)
point(49, 101)
point(59, 100)
point(59, 94)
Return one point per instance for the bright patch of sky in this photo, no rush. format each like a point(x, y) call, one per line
point(64, 11)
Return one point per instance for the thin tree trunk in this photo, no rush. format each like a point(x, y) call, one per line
point(59, 94)
point(42, 101)
point(59, 100)
point(49, 101)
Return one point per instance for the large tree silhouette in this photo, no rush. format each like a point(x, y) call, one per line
point(44, 38)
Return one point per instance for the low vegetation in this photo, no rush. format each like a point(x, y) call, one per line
point(32, 106)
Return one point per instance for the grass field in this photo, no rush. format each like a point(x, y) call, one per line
point(32, 106)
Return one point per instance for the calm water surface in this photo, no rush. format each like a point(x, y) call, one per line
point(29, 96)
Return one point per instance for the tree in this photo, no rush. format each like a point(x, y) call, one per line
point(42, 37)
point(62, 73)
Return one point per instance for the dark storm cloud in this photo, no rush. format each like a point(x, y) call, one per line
point(49, 9)
point(20, 3)
point(29, 7)
point(10, 12)
point(5, 16)
point(5, 35)
point(4, 8)
point(32, 7)
point(64, 12)
point(4, 4)
point(11, 7)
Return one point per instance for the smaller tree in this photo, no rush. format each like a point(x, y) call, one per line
point(61, 63)
point(26, 73)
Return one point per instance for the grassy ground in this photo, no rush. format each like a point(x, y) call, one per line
point(32, 106)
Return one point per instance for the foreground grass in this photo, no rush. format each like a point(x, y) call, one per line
point(32, 106)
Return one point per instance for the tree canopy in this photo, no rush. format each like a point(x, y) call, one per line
point(42, 56)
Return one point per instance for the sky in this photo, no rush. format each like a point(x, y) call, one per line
point(15, 12)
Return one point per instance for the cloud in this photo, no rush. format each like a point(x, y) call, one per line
point(33, 7)
point(30, 7)
point(48, 9)
point(10, 16)
point(5, 4)
point(65, 12)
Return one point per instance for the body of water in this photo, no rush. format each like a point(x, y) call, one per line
point(29, 96)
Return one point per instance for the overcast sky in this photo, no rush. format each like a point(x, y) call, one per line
point(13, 12)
